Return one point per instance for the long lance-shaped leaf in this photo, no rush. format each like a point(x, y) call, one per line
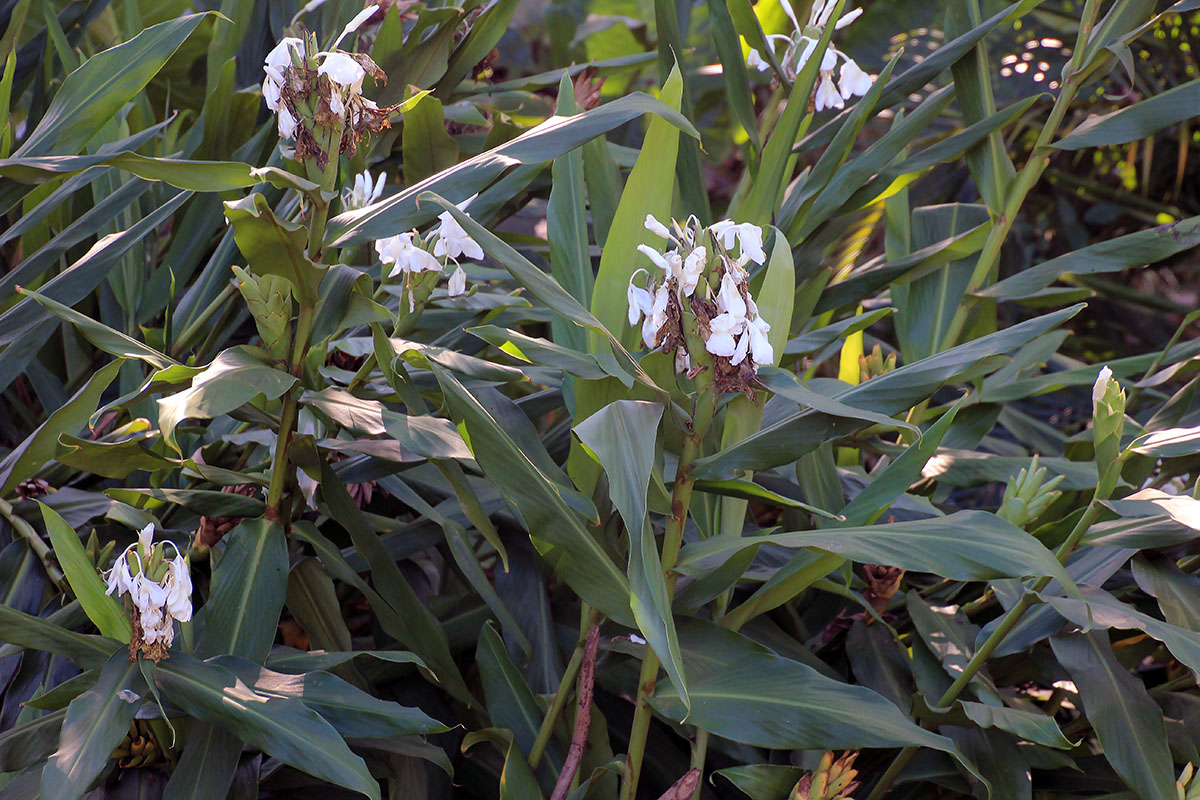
point(543, 143)
point(784, 441)
point(281, 727)
point(198, 176)
point(743, 692)
point(96, 723)
point(648, 191)
point(104, 610)
point(35, 633)
point(965, 546)
point(103, 337)
point(1113, 255)
point(92, 95)
point(622, 436)
point(557, 531)
point(566, 228)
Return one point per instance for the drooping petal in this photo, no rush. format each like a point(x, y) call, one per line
point(729, 299)
point(847, 18)
point(457, 285)
point(760, 346)
point(280, 57)
point(853, 80)
point(342, 70)
point(756, 61)
point(355, 23)
point(287, 123)
point(827, 94)
point(655, 256)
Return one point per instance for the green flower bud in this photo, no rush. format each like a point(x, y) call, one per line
point(1108, 423)
point(1028, 494)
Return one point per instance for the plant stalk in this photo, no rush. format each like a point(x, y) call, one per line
point(36, 543)
point(538, 749)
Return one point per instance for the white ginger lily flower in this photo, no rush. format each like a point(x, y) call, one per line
point(723, 330)
point(278, 60)
point(157, 604)
point(749, 239)
point(342, 70)
point(760, 346)
point(640, 300)
point(365, 192)
point(693, 267)
point(457, 284)
point(656, 317)
point(853, 80)
point(405, 256)
point(452, 240)
point(802, 45)
point(287, 124)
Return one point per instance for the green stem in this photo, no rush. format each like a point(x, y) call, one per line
point(699, 753)
point(36, 543)
point(280, 467)
point(200, 322)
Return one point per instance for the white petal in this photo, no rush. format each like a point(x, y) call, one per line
point(639, 300)
point(827, 94)
point(146, 538)
point(739, 352)
point(457, 284)
point(1101, 385)
point(287, 124)
point(760, 346)
point(720, 344)
point(655, 256)
point(280, 57)
point(656, 227)
point(335, 103)
point(791, 12)
point(355, 23)
point(847, 18)
point(270, 91)
point(753, 59)
point(342, 69)
point(729, 298)
point(853, 80)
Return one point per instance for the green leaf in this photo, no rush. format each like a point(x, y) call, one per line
point(1110, 255)
point(27, 458)
point(1169, 443)
point(566, 228)
point(105, 611)
point(91, 96)
point(287, 660)
point(738, 89)
point(273, 246)
point(31, 742)
point(741, 691)
point(422, 435)
point(484, 33)
point(196, 176)
point(589, 366)
point(248, 589)
point(557, 531)
point(1128, 723)
point(350, 710)
point(207, 765)
point(34, 633)
point(95, 724)
point(542, 143)
point(428, 149)
point(995, 549)
point(1029, 725)
point(281, 727)
point(784, 440)
point(1177, 592)
point(234, 377)
point(647, 191)
point(1139, 121)
point(763, 781)
point(623, 436)
point(510, 702)
point(103, 337)
point(111, 459)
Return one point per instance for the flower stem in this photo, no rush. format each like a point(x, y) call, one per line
point(280, 467)
point(560, 697)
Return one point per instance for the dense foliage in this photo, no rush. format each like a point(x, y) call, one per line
point(599, 399)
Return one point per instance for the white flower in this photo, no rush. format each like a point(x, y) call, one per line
point(335, 103)
point(749, 239)
point(722, 330)
point(640, 300)
point(827, 94)
point(342, 70)
point(271, 92)
point(453, 241)
point(355, 23)
point(280, 57)
point(1101, 385)
point(401, 251)
point(146, 538)
point(753, 59)
point(366, 191)
point(739, 352)
point(729, 298)
point(457, 284)
point(853, 80)
point(656, 317)
point(658, 258)
point(120, 580)
point(693, 268)
point(656, 227)
point(179, 589)
point(287, 124)
point(760, 346)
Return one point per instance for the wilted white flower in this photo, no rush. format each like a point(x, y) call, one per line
point(656, 317)
point(457, 284)
point(342, 70)
point(693, 267)
point(760, 347)
point(287, 124)
point(405, 256)
point(640, 300)
point(365, 191)
point(156, 603)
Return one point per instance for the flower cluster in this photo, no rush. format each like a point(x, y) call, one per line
point(411, 255)
point(802, 45)
point(317, 96)
point(159, 590)
point(703, 297)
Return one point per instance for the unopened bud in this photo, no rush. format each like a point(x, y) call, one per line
point(1108, 423)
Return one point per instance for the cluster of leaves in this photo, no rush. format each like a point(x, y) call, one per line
point(490, 548)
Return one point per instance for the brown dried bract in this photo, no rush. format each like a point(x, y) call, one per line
point(587, 89)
